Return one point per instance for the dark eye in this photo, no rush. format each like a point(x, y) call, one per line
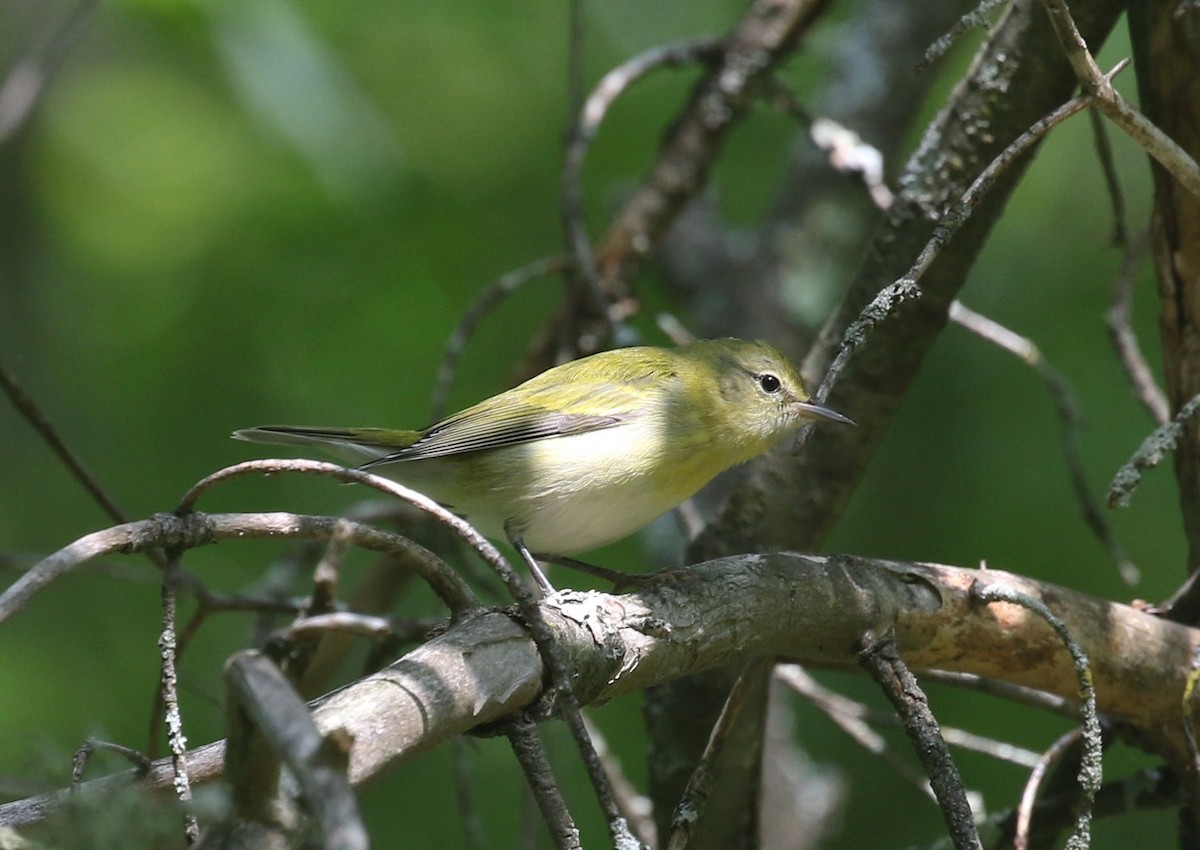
point(769, 383)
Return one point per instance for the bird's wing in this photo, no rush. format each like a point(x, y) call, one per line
point(526, 414)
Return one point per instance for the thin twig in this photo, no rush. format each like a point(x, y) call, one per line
point(169, 683)
point(977, 18)
point(1124, 340)
point(527, 747)
point(692, 805)
point(208, 602)
point(958, 213)
point(444, 581)
point(851, 717)
point(881, 659)
point(582, 132)
point(194, 530)
point(763, 37)
point(886, 302)
point(271, 708)
point(83, 755)
point(484, 303)
point(29, 409)
point(1021, 694)
point(297, 646)
point(635, 806)
point(1109, 169)
point(1090, 773)
point(856, 716)
point(1165, 150)
point(1030, 795)
point(1150, 453)
point(349, 622)
point(1154, 788)
point(1069, 421)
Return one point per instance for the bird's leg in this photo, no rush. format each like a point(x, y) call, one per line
point(534, 567)
point(618, 578)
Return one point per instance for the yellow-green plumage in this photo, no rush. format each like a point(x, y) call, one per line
point(590, 451)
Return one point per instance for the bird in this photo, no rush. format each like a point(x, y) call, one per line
point(589, 451)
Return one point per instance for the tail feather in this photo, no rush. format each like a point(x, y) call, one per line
point(356, 445)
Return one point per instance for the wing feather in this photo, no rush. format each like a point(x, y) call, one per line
point(566, 400)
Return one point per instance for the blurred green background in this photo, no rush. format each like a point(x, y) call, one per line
point(225, 214)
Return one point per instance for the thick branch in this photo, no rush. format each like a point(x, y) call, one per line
point(808, 608)
point(1166, 49)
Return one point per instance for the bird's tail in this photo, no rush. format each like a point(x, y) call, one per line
point(354, 445)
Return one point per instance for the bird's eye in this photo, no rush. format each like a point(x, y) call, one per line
point(769, 383)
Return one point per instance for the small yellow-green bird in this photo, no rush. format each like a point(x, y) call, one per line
point(588, 452)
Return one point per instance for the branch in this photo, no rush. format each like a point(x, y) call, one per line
point(271, 727)
point(808, 608)
point(1154, 141)
point(809, 489)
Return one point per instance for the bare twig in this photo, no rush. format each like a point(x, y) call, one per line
point(296, 647)
point(29, 409)
point(958, 213)
point(1031, 697)
point(635, 806)
point(1069, 420)
point(882, 305)
point(977, 18)
point(1099, 87)
point(202, 529)
point(445, 582)
point(581, 134)
point(851, 717)
point(527, 747)
point(84, 754)
point(686, 820)
point(1093, 746)
point(1030, 795)
point(1124, 340)
point(1154, 788)
point(209, 602)
point(1111, 180)
point(169, 683)
point(1149, 455)
point(767, 33)
point(880, 658)
point(269, 706)
point(364, 625)
point(323, 598)
point(854, 718)
point(484, 303)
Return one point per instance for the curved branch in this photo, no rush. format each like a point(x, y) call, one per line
point(809, 608)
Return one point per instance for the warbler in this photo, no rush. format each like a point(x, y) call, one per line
point(590, 451)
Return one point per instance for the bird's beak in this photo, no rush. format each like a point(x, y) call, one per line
point(816, 411)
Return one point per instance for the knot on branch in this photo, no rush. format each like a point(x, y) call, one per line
point(170, 531)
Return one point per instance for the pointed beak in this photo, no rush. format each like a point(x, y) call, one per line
point(816, 411)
